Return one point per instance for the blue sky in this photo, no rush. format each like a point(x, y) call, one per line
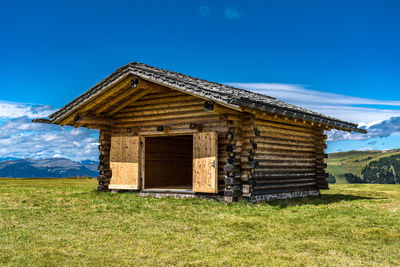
point(337, 57)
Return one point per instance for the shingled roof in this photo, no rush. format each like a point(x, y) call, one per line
point(219, 93)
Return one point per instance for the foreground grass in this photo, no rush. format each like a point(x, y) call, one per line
point(53, 222)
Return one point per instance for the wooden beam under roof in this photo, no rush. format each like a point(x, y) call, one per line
point(90, 119)
point(113, 105)
point(139, 94)
point(124, 83)
point(114, 101)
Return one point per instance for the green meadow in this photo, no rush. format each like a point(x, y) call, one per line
point(66, 222)
point(353, 162)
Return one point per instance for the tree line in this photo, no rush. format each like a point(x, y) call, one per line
point(383, 171)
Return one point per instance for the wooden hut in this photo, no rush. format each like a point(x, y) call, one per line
point(163, 132)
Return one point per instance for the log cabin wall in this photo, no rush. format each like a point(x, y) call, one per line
point(321, 175)
point(104, 157)
point(171, 113)
point(283, 160)
point(231, 147)
point(258, 159)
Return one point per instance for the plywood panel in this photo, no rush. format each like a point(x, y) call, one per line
point(124, 162)
point(123, 175)
point(205, 162)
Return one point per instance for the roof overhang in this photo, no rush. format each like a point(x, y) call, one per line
point(224, 95)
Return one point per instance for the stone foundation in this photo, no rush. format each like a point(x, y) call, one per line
point(270, 197)
point(167, 194)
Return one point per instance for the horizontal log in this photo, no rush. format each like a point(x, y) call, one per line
point(263, 130)
point(261, 183)
point(129, 100)
point(86, 118)
point(263, 154)
point(321, 156)
point(261, 117)
point(93, 126)
point(162, 100)
point(279, 186)
point(157, 112)
point(259, 124)
point(281, 136)
point(115, 99)
point(162, 95)
point(164, 116)
point(280, 141)
point(267, 147)
point(173, 131)
point(321, 165)
point(285, 164)
point(260, 175)
point(163, 105)
point(170, 122)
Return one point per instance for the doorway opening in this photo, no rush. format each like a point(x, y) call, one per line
point(169, 163)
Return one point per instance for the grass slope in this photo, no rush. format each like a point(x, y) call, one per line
point(353, 162)
point(59, 222)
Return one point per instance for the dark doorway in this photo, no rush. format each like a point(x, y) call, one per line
point(168, 162)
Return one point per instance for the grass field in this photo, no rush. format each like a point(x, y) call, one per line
point(59, 222)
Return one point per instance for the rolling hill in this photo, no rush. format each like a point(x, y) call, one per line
point(46, 168)
point(354, 162)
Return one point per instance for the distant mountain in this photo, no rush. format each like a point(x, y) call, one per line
point(364, 166)
point(90, 164)
point(44, 168)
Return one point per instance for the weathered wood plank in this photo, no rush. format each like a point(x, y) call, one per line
point(205, 162)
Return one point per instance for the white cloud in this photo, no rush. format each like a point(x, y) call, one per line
point(340, 106)
point(380, 129)
point(14, 110)
point(299, 94)
point(378, 122)
point(21, 138)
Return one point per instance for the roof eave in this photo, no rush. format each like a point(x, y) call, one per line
point(297, 115)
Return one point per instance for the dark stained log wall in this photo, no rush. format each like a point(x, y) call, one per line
point(283, 158)
point(104, 157)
